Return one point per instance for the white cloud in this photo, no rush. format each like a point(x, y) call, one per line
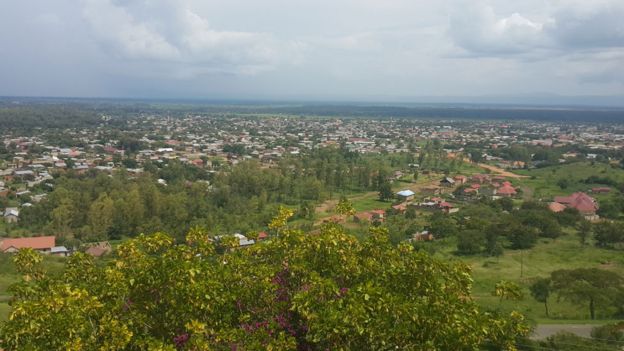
point(479, 29)
point(170, 31)
point(563, 28)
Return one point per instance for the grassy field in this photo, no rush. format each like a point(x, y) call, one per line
point(4, 311)
point(548, 255)
point(542, 182)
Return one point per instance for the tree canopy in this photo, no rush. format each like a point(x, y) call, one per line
point(297, 291)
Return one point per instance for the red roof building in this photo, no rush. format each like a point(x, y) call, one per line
point(506, 190)
point(556, 207)
point(41, 243)
point(584, 203)
point(600, 190)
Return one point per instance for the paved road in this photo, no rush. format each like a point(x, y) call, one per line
point(543, 331)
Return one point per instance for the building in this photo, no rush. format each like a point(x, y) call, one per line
point(99, 249)
point(11, 215)
point(405, 195)
point(447, 182)
point(42, 244)
point(506, 190)
point(60, 251)
point(460, 179)
point(585, 204)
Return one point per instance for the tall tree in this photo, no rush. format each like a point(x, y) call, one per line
point(101, 214)
point(591, 286)
point(540, 290)
point(385, 191)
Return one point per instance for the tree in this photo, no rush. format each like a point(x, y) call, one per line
point(493, 247)
point(345, 207)
point(592, 286)
point(507, 290)
point(62, 217)
point(326, 291)
point(608, 233)
point(521, 237)
point(101, 216)
point(506, 203)
point(475, 155)
point(563, 183)
point(442, 226)
point(540, 290)
point(470, 242)
point(410, 212)
point(584, 230)
point(385, 191)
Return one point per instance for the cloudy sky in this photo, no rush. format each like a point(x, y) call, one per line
point(397, 50)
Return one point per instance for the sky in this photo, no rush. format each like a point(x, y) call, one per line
point(357, 50)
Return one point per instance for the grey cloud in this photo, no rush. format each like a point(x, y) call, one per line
point(600, 27)
point(310, 48)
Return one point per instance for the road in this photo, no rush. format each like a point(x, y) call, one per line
point(542, 331)
point(500, 171)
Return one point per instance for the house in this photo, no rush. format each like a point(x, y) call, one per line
point(556, 207)
point(480, 178)
point(263, 236)
point(447, 182)
point(42, 244)
point(405, 195)
point(431, 190)
point(59, 251)
point(447, 208)
point(422, 236)
point(460, 179)
point(585, 204)
point(601, 190)
point(378, 215)
point(506, 190)
point(99, 249)
point(400, 208)
point(11, 215)
point(243, 241)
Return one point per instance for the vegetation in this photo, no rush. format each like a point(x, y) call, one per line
point(295, 292)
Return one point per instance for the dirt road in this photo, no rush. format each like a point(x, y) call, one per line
point(500, 171)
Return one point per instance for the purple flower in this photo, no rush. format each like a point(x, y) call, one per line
point(180, 340)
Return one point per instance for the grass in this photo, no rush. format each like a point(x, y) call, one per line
point(543, 181)
point(547, 256)
point(4, 311)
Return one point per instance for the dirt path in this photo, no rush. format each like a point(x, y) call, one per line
point(500, 171)
point(542, 331)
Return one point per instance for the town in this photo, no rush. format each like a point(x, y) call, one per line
point(515, 200)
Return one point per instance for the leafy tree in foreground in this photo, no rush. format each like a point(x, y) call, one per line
point(323, 291)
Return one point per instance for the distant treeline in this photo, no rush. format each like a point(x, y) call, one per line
point(20, 112)
point(504, 113)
